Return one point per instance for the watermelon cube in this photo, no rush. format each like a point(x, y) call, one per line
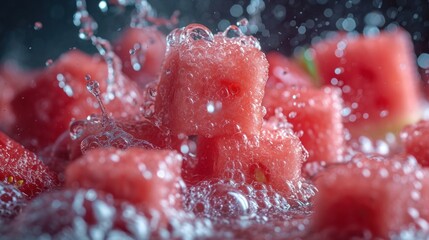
point(22, 168)
point(211, 85)
point(369, 196)
point(378, 77)
point(272, 158)
point(141, 51)
point(285, 71)
point(316, 118)
point(147, 178)
point(45, 109)
point(416, 141)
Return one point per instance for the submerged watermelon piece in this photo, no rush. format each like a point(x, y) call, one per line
point(148, 178)
point(45, 109)
point(141, 51)
point(285, 71)
point(416, 141)
point(316, 118)
point(211, 85)
point(79, 214)
point(22, 168)
point(378, 77)
point(273, 158)
point(371, 198)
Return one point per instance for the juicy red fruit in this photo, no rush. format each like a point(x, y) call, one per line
point(211, 85)
point(145, 177)
point(23, 169)
point(378, 76)
point(416, 141)
point(374, 196)
point(284, 71)
point(44, 111)
point(141, 51)
point(315, 115)
point(272, 158)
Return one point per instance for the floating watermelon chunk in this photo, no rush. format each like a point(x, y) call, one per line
point(378, 77)
point(79, 214)
point(211, 85)
point(284, 71)
point(145, 177)
point(372, 197)
point(272, 158)
point(315, 115)
point(45, 109)
point(141, 51)
point(22, 168)
point(416, 141)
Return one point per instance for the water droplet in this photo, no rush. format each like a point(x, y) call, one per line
point(232, 31)
point(103, 6)
point(76, 129)
point(49, 62)
point(198, 32)
point(37, 26)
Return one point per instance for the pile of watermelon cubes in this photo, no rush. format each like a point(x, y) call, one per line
point(208, 137)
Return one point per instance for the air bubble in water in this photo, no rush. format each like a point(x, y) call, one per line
point(232, 31)
point(76, 129)
point(198, 32)
point(62, 83)
point(138, 56)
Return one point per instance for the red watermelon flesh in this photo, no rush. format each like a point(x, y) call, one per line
point(285, 71)
point(273, 158)
point(373, 197)
point(22, 168)
point(315, 115)
point(211, 85)
point(148, 178)
point(141, 51)
point(45, 109)
point(415, 138)
point(378, 77)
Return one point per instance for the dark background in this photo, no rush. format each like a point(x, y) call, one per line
point(287, 24)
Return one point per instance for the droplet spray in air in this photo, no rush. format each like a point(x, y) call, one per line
point(88, 27)
point(94, 88)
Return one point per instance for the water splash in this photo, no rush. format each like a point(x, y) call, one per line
point(88, 27)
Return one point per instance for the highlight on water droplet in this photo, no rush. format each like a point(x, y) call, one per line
point(198, 32)
point(49, 62)
point(37, 26)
